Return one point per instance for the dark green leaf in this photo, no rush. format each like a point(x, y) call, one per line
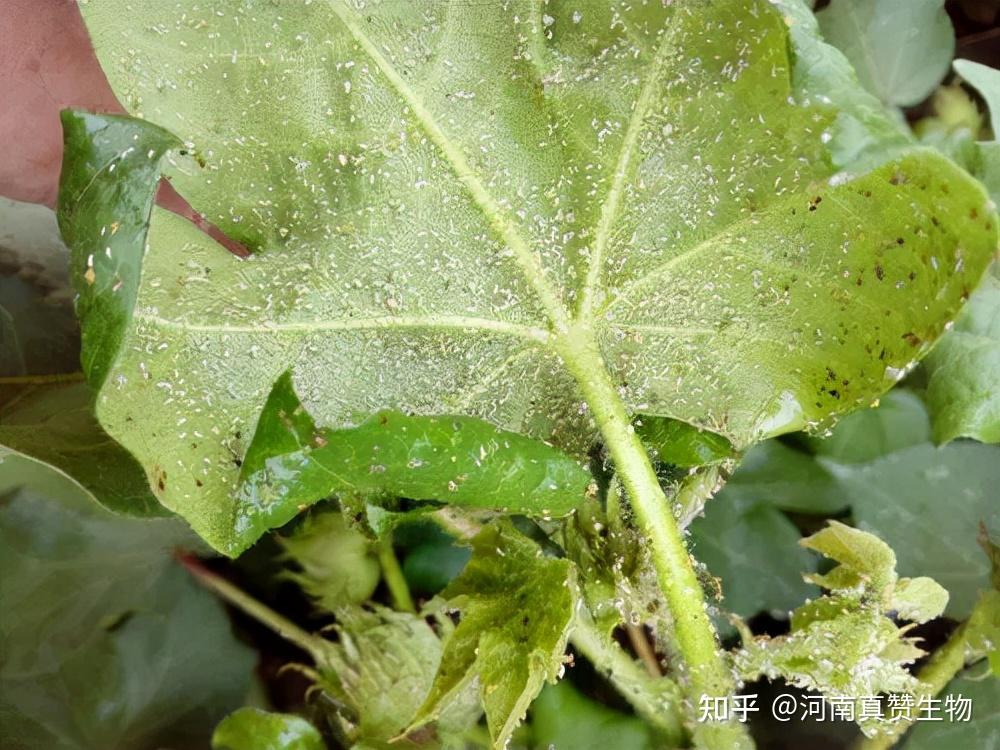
point(460, 460)
point(39, 334)
point(563, 719)
point(681, 444)
point(106, 642)
point(927, 503)
point(755, 553)
point(253, 729)
point(901, 49)
point(111, 167)
point(55, 424)
point(982, 731)
point(516, 608)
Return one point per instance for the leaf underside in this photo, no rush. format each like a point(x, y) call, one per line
point(434, 193)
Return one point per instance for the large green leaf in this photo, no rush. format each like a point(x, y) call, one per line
point(963, 388)
point(517, 609)
point(253, 729)
point(982, 730)
point(926, 502)
point(106, 642)
point(454, 203)
point(901, 49)
point(864, 133)
point(54, 423)
point(563, 719)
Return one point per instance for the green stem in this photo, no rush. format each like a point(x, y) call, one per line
point(657, 700)
point(706, 671)
point(394, 578)
point(314, 645)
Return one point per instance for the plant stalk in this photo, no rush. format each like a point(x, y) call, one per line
point(705, 670)
point(313, 645)
point(655, 699)
point(399, 591)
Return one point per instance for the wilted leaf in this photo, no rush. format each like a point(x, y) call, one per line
point(864, 555)
point(642, 171)
point(106, 643)
point(918, 599)
point(900, 49)
point(516, 608)
point(844, 644)
point(253, 729)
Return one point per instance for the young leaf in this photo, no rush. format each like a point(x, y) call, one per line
point(844, 644)
point(864, 555)
point(465, 461)
point(900, 49)
point(468, 237)
point(517, 608)
point(106, 641)
point(253, 729)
